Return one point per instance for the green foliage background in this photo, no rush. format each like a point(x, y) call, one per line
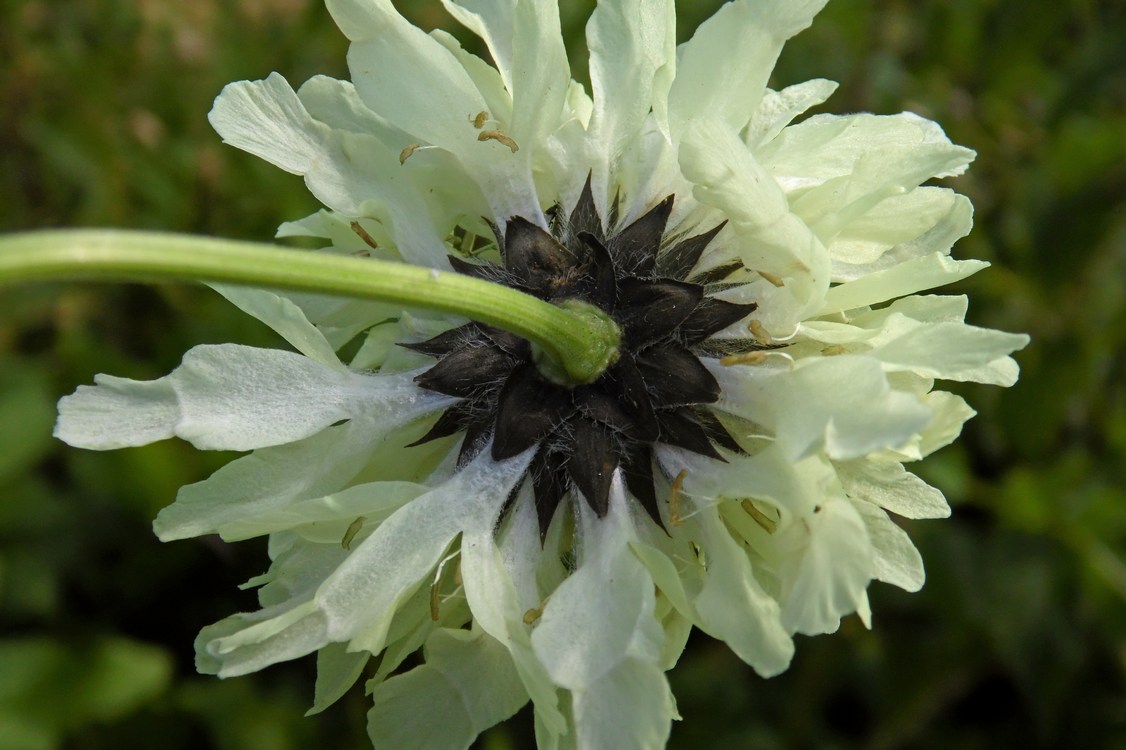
point(1018, 639)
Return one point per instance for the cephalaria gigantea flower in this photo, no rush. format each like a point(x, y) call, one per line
point(735, 469)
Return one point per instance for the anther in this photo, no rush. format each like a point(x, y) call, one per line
point(406, 152)
point(746, 358)
point(775, 280)
point(675, 495)
point(363, 235)
point(760, 333)
point(768, 524)
point(496, 135)
point(480, 120)
point(350, 533)
point(834, 350)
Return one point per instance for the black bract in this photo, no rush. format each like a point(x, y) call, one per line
point(654, 393)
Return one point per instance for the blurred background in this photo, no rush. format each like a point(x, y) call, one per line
point(1018, 638)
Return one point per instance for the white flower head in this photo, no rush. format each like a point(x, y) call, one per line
point(734, 470)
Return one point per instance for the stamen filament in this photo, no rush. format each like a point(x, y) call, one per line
point(579, 342)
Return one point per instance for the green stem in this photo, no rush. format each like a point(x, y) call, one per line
point(580, 341)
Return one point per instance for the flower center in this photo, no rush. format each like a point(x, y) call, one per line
point(655, 391)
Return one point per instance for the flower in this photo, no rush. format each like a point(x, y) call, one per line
point(734, 470)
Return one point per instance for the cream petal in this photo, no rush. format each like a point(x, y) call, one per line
point(230, 397)
point(950, 413)
point(526, 43)
point(778, 109)
point(954, 351)
point(890, 486)
point(468, 675)
point(918, 223)
point(728, 178)
point(344, 170)
point(286, 318)
point(915, 275)
point(895, 559)
point(841, 405)
point(733, 606)
point(431, 96)
point(824, 147)
point(337, 671)
point(827, 562)
point(494, 21)
point(386, 567)
point(246, 643)
point(628, 707)
point(632, 54)
point(604, 610)
point(269, 481)
point(723, 70)
point(493, 597)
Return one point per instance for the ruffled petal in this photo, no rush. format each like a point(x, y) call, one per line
point(890, 486)
point(770, 238)
point(723, 69)
point(286, 318)
point(909, 277)
point(842, 405)
point(238, 500)
point(826, 562)
point(231, 397)
point(895, 559)
point(604, 610)
point(383, 569)
point(632, 58)
point(778, 108)
point(344, 170)
point(458, 663)
point(630, 706)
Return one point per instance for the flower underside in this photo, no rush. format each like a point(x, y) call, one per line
point(656, 391)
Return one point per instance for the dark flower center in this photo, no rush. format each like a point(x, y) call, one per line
point(656, 392)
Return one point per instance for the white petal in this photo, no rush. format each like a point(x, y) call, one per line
point(722, 71)
point(246, 643)
point(421, 88)
point(955, 351)
point(842, 405)
point(916, 275)
point(496, 605)
point(386, 566)
point(728, 178)
point(230, 397)
point(778, 108)
point(629, 707)
point(890, 486)
point(467, 676)
point(494, 22)
point(829, 146)
point(337, 671)
point(266, 482)
point(733, 606)
point(896, 561)
point(344, 170)
point(950, 413)
point(921, 222)
point(284, 317)
point(541, 73)
point(631, 43)
point(526, 42)
point(327, 519)
point(828, 562)
point(336, 104)
point(603, 612)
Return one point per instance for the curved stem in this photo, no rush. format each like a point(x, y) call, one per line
point(581, 341)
